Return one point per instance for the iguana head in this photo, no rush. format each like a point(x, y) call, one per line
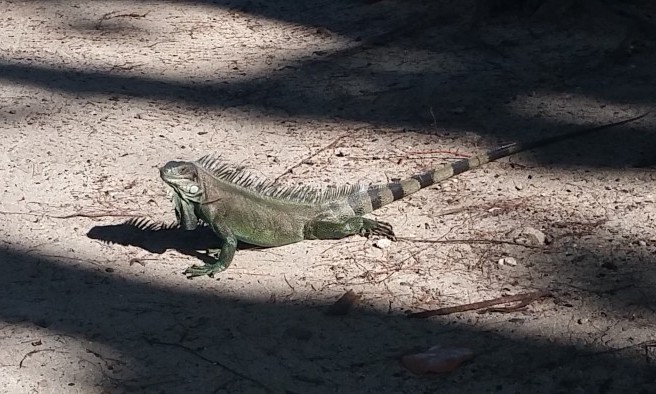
point(183, 178)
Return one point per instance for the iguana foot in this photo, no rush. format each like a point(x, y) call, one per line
point(336, 228)
point(374, 227)
point(205, 269)
point(213, 252)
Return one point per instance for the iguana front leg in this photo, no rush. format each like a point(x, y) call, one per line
point(333, 228)
point(225, 254)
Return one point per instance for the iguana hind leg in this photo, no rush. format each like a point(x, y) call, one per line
point(224, 258)
point(334, 228)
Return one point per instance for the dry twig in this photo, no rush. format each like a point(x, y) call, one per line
point(300, 163)
point(521, 299)
point(29, 354)
point(113, 14)
point(466, 241)
point(20, 213)
point(213, 362)
point(95, 215)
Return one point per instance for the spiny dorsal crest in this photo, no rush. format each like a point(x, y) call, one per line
point(238, 176)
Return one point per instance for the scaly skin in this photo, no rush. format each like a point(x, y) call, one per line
point(239, 207)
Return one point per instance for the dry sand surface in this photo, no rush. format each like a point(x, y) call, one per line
point(96, 95)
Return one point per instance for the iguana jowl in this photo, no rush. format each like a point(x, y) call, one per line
point(239, 206)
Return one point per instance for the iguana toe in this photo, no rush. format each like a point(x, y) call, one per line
point(213, 252)
point(205, 269)
point(382, 229)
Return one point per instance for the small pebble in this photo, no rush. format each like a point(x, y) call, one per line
point(509, 261)
point(534, 235)
point(382, 243)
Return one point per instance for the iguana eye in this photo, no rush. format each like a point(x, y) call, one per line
point(193, 189)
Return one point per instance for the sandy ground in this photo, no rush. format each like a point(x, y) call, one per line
point(95, 96)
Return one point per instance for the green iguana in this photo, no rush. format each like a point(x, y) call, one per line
point(240, 206)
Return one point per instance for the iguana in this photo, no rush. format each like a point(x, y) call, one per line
point(240, 206)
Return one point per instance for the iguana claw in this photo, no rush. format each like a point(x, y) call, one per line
point(205, 269)
point(382, 229)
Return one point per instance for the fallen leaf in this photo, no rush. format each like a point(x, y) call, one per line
point(344, 304)
point(436, 360)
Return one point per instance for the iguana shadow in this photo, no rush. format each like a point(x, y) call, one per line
point(158, 237)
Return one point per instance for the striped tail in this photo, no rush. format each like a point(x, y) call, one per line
point(377, 196)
